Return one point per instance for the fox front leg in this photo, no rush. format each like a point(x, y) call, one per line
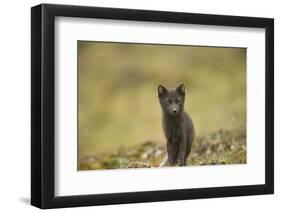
point(172, 153)
point(182, 153)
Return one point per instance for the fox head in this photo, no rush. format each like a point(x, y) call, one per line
point(172, 101)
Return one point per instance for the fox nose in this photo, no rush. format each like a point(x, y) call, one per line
point(174, 110)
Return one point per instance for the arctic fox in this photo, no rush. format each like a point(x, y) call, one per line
point(177, 124)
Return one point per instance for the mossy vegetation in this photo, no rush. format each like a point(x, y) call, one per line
point(221, 147)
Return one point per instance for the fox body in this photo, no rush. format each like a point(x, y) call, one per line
point(177, 124)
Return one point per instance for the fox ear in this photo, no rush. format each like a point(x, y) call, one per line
point(181, 89)
point(162, 90)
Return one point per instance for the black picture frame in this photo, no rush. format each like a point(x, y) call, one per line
point(43, 102)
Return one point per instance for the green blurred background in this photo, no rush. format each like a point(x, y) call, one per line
point(118, 102)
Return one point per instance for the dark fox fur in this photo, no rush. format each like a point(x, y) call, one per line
point(177, 124)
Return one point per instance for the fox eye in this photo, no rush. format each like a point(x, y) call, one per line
point(169, 101)
point(177, 100)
